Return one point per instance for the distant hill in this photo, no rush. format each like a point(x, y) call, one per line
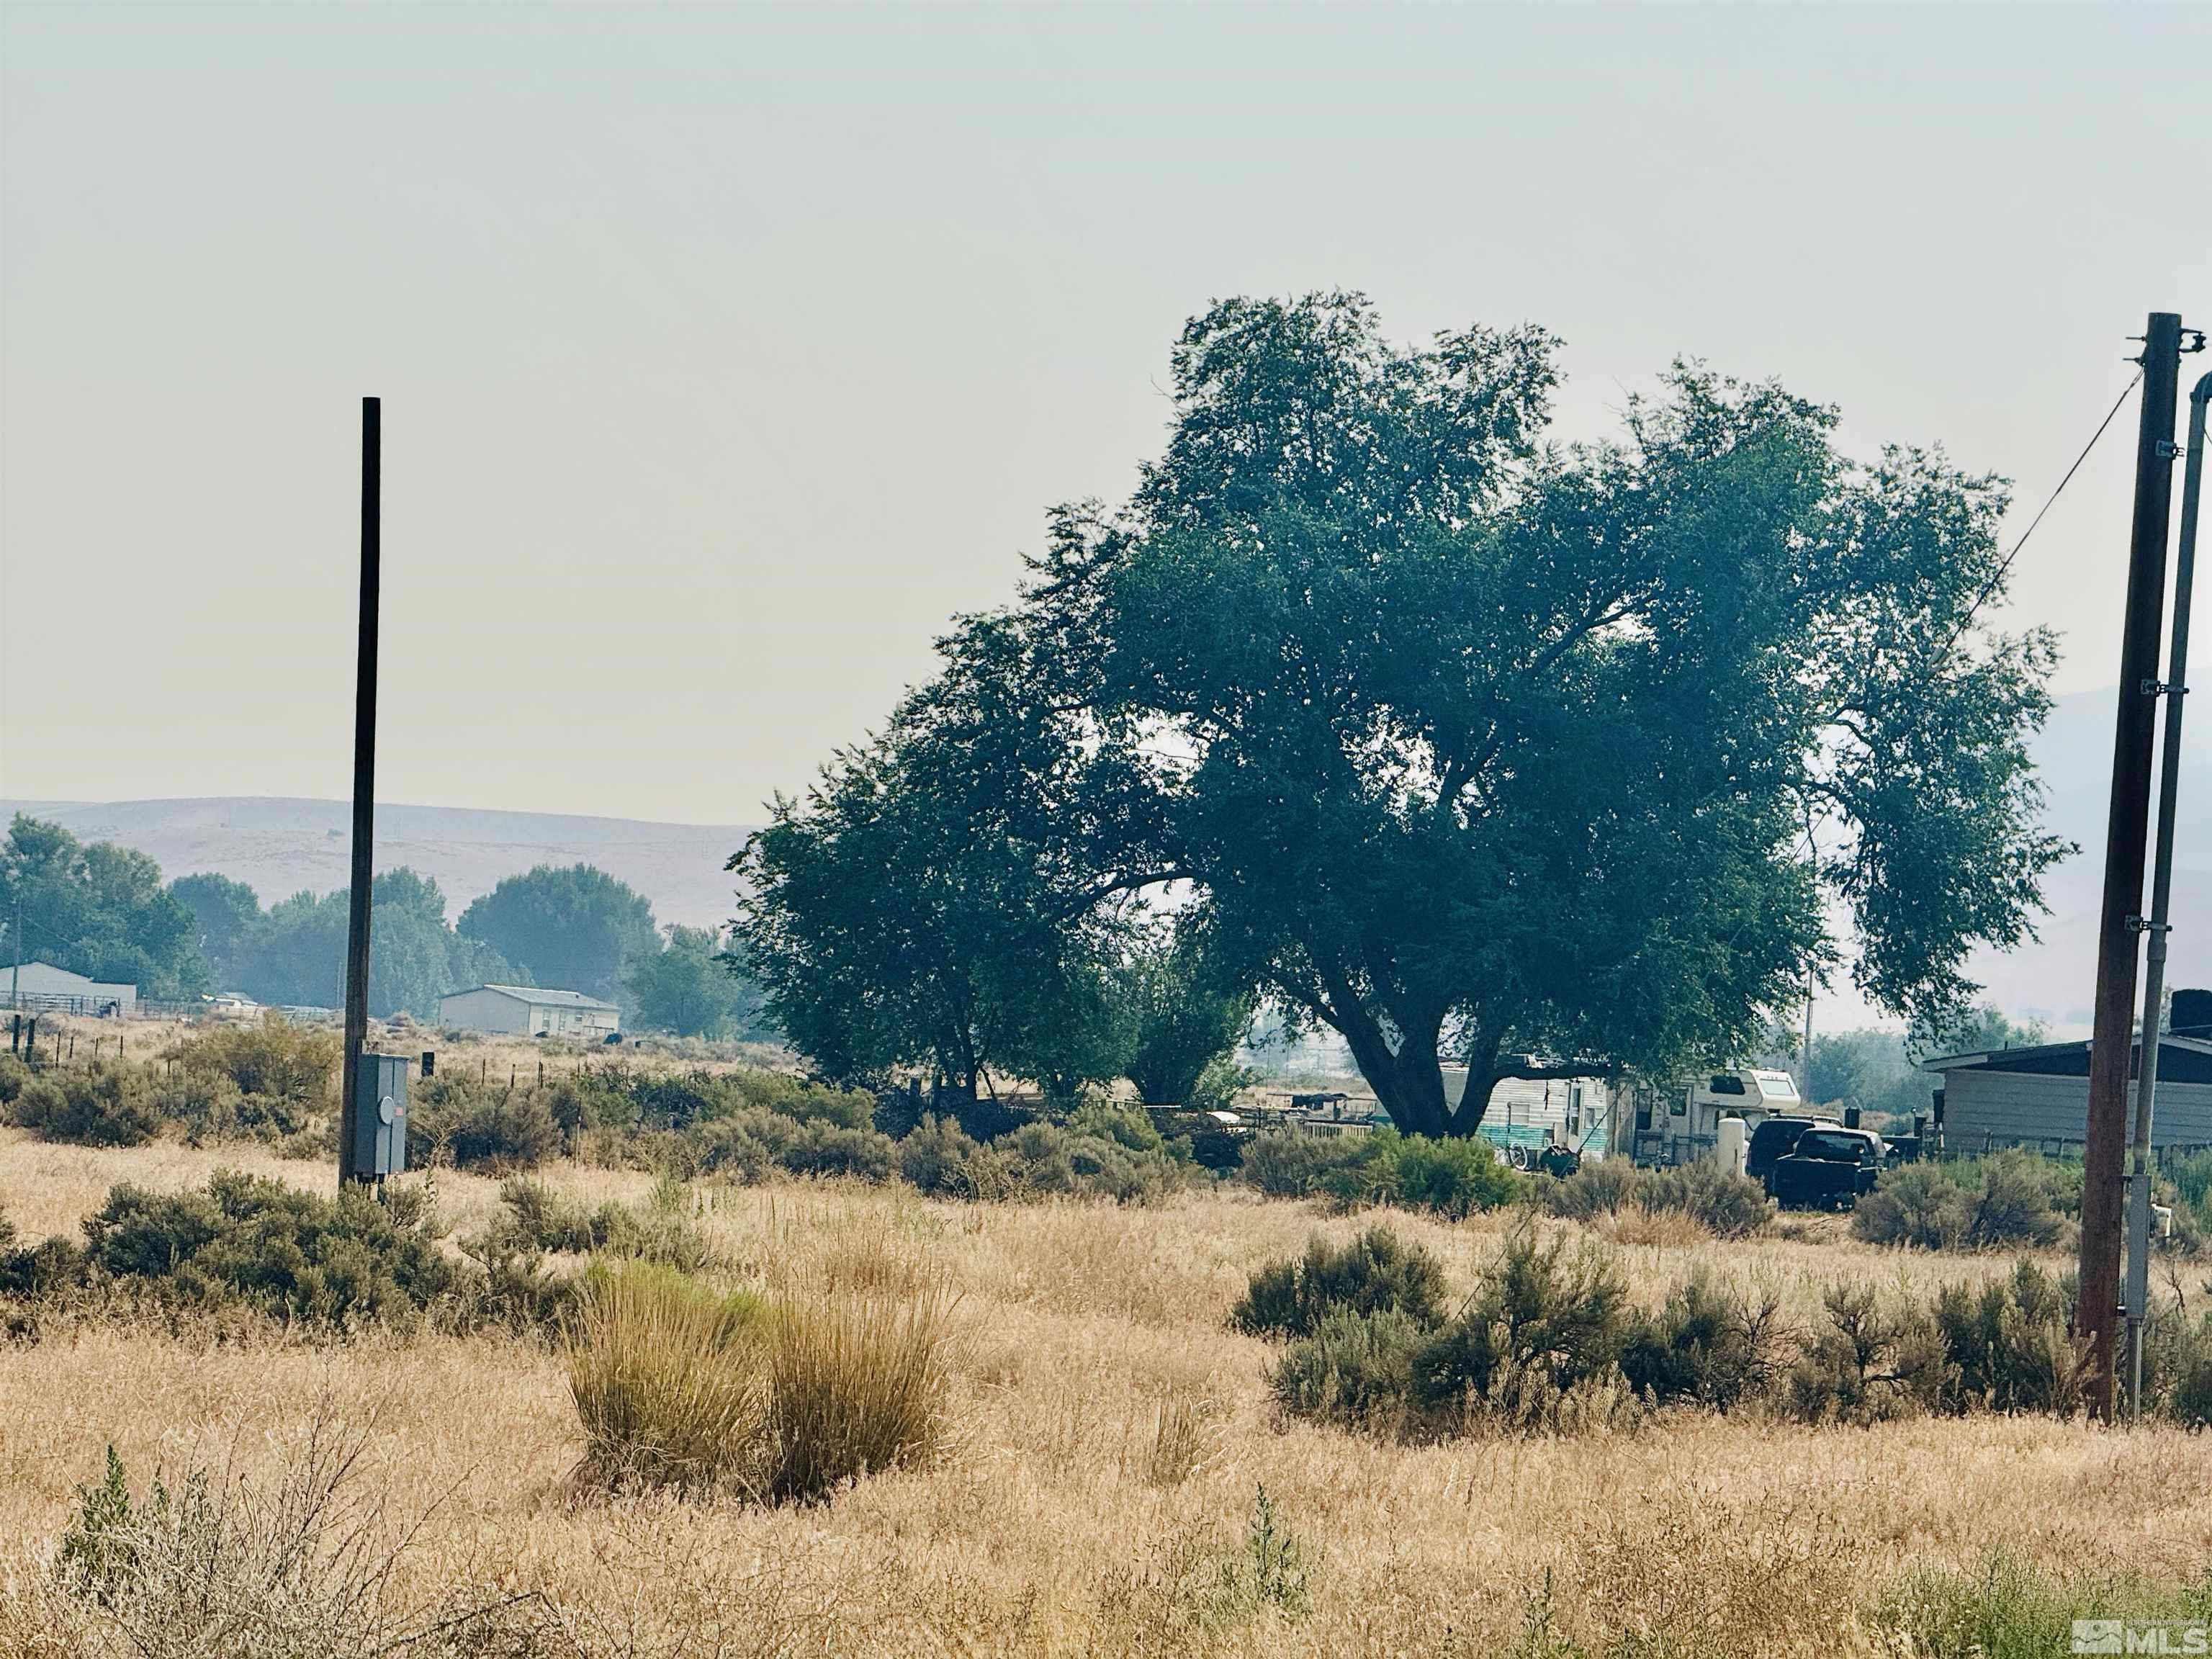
point(280, 846)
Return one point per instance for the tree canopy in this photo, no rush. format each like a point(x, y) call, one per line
point(572, 928)
point(693, 987)
point(296, 952)
point(1471, 746)
point(97, 909)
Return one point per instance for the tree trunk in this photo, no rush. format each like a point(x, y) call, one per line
point(1409, 1085)
point(1482, 1080)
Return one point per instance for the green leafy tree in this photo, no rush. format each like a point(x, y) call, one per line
point(1493, 750)
point(1187, 1007)
point(296, 954)
point(693, 987)
point(224, 913)
point(574, 927)
point(97, 909)
point(912, 909)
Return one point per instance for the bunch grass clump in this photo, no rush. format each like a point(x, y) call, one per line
point(668, 1380)
point(837, 1372)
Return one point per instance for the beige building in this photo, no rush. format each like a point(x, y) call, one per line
point(36, 986)
point(528, 1011)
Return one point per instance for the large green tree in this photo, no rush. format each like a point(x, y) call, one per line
point(693, 987)
point(97, 909)
point(1488, 749)
point(1187, 1005)
point(1508, 753)
point(224, 915)
point(574, 927)
point(929, 900)
point(296, 953)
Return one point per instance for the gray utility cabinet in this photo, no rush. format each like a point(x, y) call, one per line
point(380, 1145)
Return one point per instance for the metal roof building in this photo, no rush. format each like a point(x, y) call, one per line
point(529, 1010)
point(2039, 1096)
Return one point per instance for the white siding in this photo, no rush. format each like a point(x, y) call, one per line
point(1985, 1108)
point(1520, 1104)
point(484, 1011)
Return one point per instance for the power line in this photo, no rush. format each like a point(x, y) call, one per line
point(2004, 568)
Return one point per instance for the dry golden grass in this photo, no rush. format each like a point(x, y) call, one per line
point(1106, 1435)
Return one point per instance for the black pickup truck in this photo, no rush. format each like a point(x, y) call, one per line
point(1828, 1169)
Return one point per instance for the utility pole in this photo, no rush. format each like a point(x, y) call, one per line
point(364, 785)
point(2105, 1136)
point(2161, 890)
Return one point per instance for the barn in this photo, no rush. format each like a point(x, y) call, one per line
point(529, 1010)
point(2039, 1096)
point(36, 986)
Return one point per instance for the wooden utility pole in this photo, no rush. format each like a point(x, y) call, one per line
point(2119, 934)
point(364, 786)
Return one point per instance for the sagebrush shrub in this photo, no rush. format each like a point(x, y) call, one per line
point(102, 1106)
point(1353, 1370)
point(1599, 1186)
point(481, 1126)
point(1712, 1342)
point(1545, 1322)
point(247, 1241)
point(2010, 1198)
point(1869, 1362)
point(272, 1057)
point(934, 1156)
point(1373, 1272)
point(1726, 1204)
point(1284, 1163)
point(1915, 1205)
point(2010, 1346)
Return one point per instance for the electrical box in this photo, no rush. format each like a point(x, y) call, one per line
point(381, 1114)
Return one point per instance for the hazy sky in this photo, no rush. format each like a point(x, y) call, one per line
point(727, 351)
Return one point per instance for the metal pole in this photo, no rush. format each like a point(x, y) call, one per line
point(364, 784)
point(2161, 888)
point(2127, 831)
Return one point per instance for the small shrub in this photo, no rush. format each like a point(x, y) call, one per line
point(1914, 1205)
point(1600, 1187)
point(13, 1074)
point(1726, 1204)
point(104, 1106)
point(665, 1231)
point(2016, 1202)
point(1985, 1203)
point(1373, 1272)
point(1541, 1336)
point(1283, 1163)
point(667, 1380)
point(272, 1058)
point(2011, 1346)
point(1714, 1344)
point(1353, 1369)
point(1870, 1363)
point(825, 1147)
point(481, 1126)
point(257, 1242)
point(934, 1156)
point(1453, 1178)
point(2178, 1369)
